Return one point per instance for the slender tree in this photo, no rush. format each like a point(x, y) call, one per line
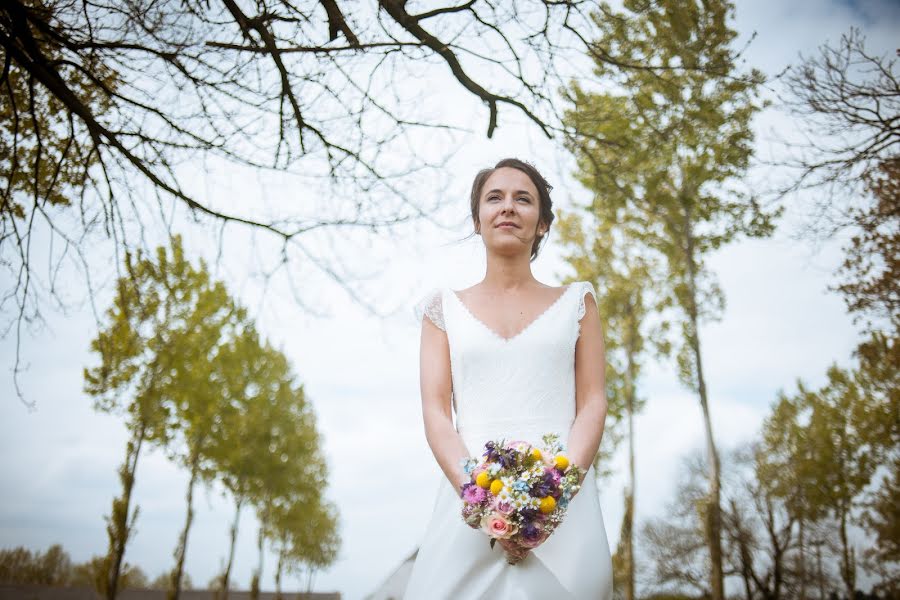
point(600, 253)
point(294, 477)
point(662, 151)
point(305, 537)
point(140, 350)
point(238, 448)
point(203, 397)
point(268, 446)
point(164, 344)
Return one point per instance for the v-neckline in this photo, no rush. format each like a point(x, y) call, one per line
point(520, 332)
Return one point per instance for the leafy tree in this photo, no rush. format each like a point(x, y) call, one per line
point(20, 565)
point(268, 446)
point(305, 535)
point(844, 430)
point(882, 517)
point(660, 152)
point(291, 509)
point(55, 568)
point(153, 327)
point(201, 395)
point(871, 267)
point(601, 255)
point(759, 523)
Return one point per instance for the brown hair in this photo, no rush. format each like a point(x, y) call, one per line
point(543, 188)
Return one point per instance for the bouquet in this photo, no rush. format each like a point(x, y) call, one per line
point(519, 493)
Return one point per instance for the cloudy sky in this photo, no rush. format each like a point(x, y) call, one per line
point(58, 470)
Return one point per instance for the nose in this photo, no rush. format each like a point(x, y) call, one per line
point(509, 204)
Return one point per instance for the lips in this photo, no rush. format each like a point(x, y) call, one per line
point(507, 223)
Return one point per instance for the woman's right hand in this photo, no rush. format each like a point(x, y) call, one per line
point(514, 552)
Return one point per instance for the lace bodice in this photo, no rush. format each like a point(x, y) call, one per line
point(519, 387)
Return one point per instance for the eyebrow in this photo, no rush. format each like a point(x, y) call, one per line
point(526, 192)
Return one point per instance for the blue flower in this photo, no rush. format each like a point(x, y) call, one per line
point(520, 486)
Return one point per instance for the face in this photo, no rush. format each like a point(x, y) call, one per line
point(509, 211)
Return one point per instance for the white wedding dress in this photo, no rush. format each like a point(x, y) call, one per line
point(515, 388)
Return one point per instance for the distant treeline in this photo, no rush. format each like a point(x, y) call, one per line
point(55, 567)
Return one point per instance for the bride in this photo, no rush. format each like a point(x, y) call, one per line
point(511, 358)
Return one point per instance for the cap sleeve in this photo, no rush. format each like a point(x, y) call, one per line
point(431, 306)
point(583, 288)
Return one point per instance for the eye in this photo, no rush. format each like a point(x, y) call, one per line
point(525, 198)
point(494, 197)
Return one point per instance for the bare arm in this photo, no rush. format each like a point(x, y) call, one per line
point(436, 386)
point(590, 389)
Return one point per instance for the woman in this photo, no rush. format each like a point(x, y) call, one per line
point(515, 359)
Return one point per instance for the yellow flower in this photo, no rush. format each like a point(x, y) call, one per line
point(561, 462)
point(536, 454)
point(483, 480)
point(548, 504)
point(496, 487)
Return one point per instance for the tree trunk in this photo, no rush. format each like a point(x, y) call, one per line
point(278, 574)
point(821, 573)
point(257, 576)
point(778, 548)
point(745, 555)
point(234, 529)
point(181, 550)
point(119, 529)
point(801, 546)
point(848, 557)
point(629, 495)
point(713, 509)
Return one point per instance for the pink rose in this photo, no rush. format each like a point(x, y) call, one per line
point(498, 526)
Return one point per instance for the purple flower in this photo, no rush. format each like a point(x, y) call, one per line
point(531, 532)
point(497, 453)
point(491, 452)
point(474, 494)
point(531, 535)
point(548, 485)
point(529, 514)
point(554, 474)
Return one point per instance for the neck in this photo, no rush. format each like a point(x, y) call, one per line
point(508, 273)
